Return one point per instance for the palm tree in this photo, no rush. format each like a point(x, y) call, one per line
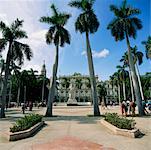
point(16, 52)
point(116, 77)
point(138, 58)
point(126, 64)
point(112, 85)
point(57, 35)
point(148, 47)
point(123, 73)
point(43, 75)
point(2, 66)
point(87, 23)
point(125, 25)
point(65, 84)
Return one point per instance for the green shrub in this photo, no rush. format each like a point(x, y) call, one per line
point(26, 122)
point(119, 122)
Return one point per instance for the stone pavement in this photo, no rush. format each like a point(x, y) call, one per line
point(75, 124)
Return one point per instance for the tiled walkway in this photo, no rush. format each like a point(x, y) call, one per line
point(78, 131)
point(69, 143)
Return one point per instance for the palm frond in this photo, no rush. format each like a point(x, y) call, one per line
point(3, 44)
point(49, 35)
point(54, 10)
point(17, 24)
point(139, 57)
point(76, 4)
point(19, 34)
point(2, 26)
point(46, 20)
point(64, 36)
point(115, 10)
point(25, 49)
point(63, 18)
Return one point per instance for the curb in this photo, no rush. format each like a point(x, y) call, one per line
point(24, 134)
point(124, 132)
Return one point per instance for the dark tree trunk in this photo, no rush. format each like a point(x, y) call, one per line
point(51, 95)
point(134, 79)
point(4, 87)
point(92, 78)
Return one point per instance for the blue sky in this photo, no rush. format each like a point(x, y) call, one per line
point(72, 58)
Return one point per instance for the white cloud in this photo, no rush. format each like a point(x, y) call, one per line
point(101, 54)
point(83, 53)
point(3, 17)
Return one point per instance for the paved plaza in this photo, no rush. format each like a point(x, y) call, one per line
point(73, 129)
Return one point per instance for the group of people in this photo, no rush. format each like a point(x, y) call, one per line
point(128, 107)
point(25, 105)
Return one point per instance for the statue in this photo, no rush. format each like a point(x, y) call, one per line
point(72, 93)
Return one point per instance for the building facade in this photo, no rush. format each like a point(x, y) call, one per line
point(82, 88)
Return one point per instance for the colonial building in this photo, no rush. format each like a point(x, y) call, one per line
point(77, 85)
point(111, 92)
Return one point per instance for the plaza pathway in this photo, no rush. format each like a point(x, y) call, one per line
point(74, 124)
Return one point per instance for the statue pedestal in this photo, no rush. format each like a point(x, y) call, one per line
point(72, 102)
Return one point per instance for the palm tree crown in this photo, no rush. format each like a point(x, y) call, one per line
point(148, 47)
point(57, 34)
point(12, 34)
point(87, 21)
point(124, 22)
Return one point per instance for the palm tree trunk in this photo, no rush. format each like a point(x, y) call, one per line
point(43, 88)
point(10, 93)
point(52, 85)
point(124, 93)
point(24, 95)
point(18, 96)
point(139, 81)
point(4, 87)
point(131, 84)
point(92, 78)
point(134, 79)
point(119, 94)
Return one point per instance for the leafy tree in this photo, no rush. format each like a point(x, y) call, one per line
point(125, 25)
point(87, 23)
point(16, 51)
point(57, 35)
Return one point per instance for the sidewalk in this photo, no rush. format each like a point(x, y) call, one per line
point(81, 128)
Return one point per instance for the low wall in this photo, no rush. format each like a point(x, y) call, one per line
point(24, 134)
point(124, 132)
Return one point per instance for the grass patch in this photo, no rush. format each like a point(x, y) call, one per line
point(26, 122)
point(120, 122)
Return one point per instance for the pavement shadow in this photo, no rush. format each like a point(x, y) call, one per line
point(79, 119)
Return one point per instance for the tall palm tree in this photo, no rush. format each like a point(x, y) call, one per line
point(112, 84)
point(2, 66)
point(125, 25)
point(138, 59)
point(117, 79)
point(123, 73)
point(148, 47)
point(87, 23)
point(126, 64)
point(66, 84)
point(16, 51)
point(57, 35)
point(43, 76)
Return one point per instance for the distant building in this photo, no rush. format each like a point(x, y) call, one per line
point(112, 92)
point(82, 88)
